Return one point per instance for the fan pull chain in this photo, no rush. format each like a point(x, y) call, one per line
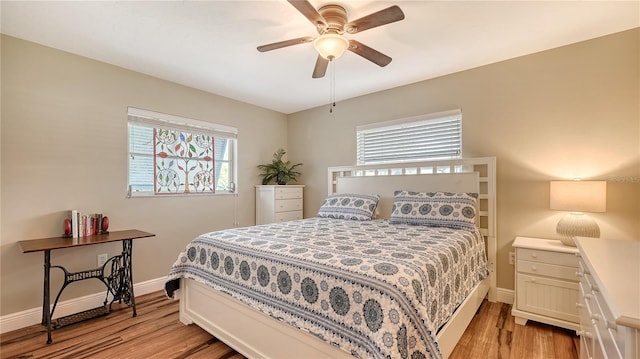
point(330, 85)
point(332, 90)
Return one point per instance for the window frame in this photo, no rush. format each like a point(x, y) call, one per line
point(157, 120)
point(427, 120)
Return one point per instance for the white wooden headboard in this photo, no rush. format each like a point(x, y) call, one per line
point(461, 175)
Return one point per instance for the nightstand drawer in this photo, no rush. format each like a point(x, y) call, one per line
point(283, 205)
point(564, 259)
point(549, 270)
point(547, 296)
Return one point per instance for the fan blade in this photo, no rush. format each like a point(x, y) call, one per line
point(368, 53)
point(382, 17)
point(277, 45)
point(309, 12)
point(321, 67)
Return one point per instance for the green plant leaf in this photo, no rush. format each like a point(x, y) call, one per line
point(282, 172)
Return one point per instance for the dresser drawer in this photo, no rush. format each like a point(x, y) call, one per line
point(587, 281)
point(549, 270)
point(283, 205)
point(598, 350)
point(607, 342)
point(288, 216)
point(288, 192)
point(586, 327)
point(612, 335)
point(558, 258)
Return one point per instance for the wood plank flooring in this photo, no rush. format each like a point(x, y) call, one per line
point(493, 333)
point(157, 333)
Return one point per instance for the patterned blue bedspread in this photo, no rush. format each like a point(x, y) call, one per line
point(373, 289)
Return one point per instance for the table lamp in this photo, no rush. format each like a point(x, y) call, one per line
point(577, 197)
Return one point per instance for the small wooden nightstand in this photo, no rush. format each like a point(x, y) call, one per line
point(546, 283)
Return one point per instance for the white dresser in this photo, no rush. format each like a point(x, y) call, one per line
point(609, 302)
point(546, 283)
point(276, 203)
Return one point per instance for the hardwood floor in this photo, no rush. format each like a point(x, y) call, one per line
point(493, 333)
point(157, 333)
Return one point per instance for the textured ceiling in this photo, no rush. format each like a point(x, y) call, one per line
point(211, 45)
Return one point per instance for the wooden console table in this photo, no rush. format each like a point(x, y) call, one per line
point(118, 279)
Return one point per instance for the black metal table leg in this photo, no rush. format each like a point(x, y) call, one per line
point(127, 249)
point(46, 313)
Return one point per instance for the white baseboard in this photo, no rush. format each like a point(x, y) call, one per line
point(33, 316)
point(505, 296)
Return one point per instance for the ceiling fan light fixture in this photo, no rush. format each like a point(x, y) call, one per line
point(331, 46)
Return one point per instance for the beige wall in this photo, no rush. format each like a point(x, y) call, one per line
point(64, 146)
point(562, 113)
point(559, 114)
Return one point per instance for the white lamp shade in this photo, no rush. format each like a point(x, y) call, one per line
point(578, 196)
point(331, 46)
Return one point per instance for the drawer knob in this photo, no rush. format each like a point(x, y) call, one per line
point(534, 255)
point(579, 305)
point(534, 268)
point(587, 296)
point(595, 318)
point(579, 274)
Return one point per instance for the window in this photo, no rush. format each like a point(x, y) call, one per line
point(171, 155)
point(427, 137)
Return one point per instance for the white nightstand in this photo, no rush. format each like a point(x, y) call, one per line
point(546, 283)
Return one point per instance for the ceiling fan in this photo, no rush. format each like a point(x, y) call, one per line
point(331, 22)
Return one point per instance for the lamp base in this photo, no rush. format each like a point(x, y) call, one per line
point(568, 241)
point(576, 225)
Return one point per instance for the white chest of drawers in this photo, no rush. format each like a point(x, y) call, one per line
point(546, 283)
point(278, 203)
point(609, 304)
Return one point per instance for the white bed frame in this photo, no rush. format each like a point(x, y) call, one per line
point(257, 335)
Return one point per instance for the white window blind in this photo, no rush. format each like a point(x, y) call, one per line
point(428, 137)
point(175, 155)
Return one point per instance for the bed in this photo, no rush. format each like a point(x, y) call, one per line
point(341, 287)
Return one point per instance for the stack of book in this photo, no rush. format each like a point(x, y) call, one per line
point(83, 225)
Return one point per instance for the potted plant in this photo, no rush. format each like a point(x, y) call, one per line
point(282, 172)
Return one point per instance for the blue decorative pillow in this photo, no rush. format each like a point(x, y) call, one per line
point(351, 206)
point(437, 209)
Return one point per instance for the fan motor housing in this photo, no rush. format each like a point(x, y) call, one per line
point(336, 18)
